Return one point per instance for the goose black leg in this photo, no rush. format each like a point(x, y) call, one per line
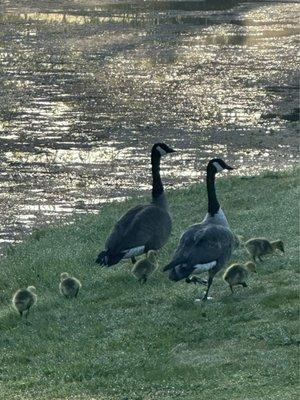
point(209, 282)
point(244, 284)
point(260, 259)
point(231, 288)
point(133, 260)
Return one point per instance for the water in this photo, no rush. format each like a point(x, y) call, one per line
point(87, 86)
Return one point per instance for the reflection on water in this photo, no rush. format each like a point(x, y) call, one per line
point(87, 86)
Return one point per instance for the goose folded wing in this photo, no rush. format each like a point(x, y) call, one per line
point(200, 245)
point(121, 227)
point(139, 230)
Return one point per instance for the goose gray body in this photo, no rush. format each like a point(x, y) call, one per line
point(206, 246)
point(201, 248)
point(144, 227)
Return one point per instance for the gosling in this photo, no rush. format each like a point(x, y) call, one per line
point(69, 286)
point(142, 269)
point(237, 274)
point(24, 299)
point(261, 247)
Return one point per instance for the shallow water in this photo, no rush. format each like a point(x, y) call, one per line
point(87, 86)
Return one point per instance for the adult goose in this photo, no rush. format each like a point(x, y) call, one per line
point(144, 227)
point(206, 246)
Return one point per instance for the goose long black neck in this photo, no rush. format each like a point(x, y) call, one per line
point(213, 204)
point(157, 186)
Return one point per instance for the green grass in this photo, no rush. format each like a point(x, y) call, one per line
point(123, 340)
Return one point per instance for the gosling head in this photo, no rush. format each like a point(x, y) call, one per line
point(31, 289)
point(251, 266)
point(151, 255)
point(161, 149)
point(278, 244)
point(217, 165)
point(64, 275)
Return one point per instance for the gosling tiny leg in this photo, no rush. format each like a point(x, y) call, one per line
point(260, 259)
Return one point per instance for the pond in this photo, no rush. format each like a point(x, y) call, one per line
point(87, 86)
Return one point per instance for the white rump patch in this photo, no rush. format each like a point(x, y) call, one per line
point(204, 267)
point(217, 166)
point(135, 251)
point(161, 151)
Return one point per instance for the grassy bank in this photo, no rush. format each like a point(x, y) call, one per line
point(122, 340)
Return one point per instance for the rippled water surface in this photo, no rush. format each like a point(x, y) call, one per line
point(87, 86)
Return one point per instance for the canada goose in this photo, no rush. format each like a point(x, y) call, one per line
point(142, 269)
point(237, 274)
point(144, 227)
point(69, 286)
point(258, 247)
point(23, 299)
point(206, 246)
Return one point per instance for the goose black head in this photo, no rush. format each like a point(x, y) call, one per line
point(161, 149)
point(180, 272)
point(217, 165)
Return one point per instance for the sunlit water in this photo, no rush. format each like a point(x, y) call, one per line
point(87, 86)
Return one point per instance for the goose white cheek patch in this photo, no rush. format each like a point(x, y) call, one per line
point(135, 251)
point(217, 166)
point(204, 267)
point(162, 152)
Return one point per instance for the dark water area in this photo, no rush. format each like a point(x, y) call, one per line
point(86, 87)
